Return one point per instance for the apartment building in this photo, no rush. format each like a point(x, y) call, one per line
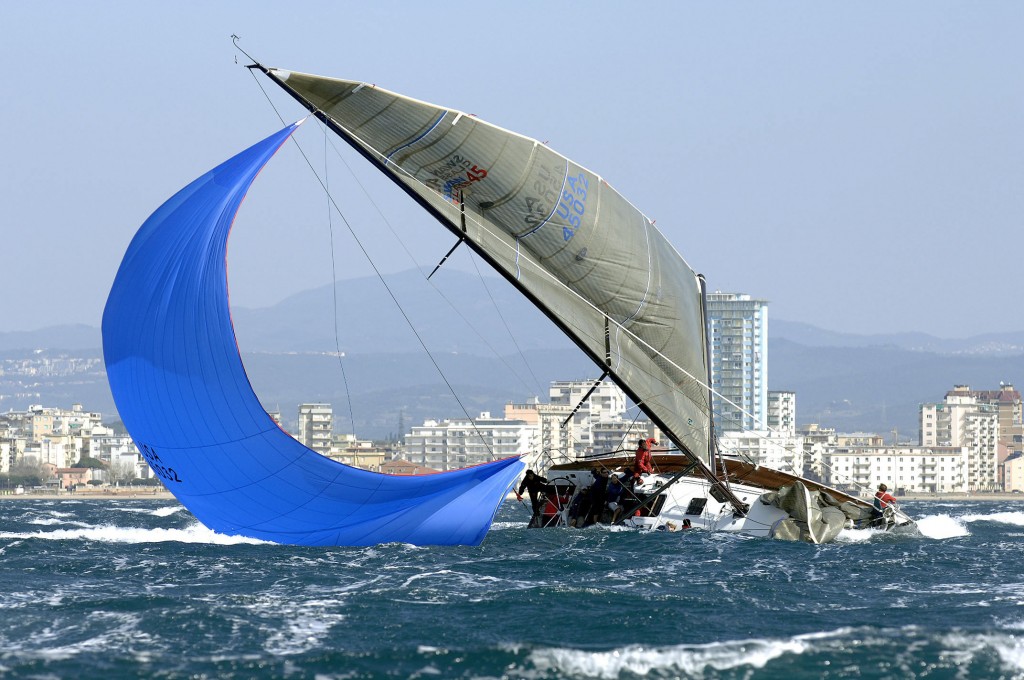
point(459, 443)
point(777, 450)
point(782, 412)
point(904, 469)
point(738, 333)
point(960, 420)
point(316, 426)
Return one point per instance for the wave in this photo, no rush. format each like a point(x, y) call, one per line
point(51, 521)
point(858, 535)
point(687, 659)
point(844, 647)
point(942, 526)
point(1015, 518)
point(195, 533)
point(159, 512)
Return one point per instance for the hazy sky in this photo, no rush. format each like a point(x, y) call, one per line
point(860, 165)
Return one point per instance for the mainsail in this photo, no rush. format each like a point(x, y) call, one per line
point(579, 250)
point(181, 390)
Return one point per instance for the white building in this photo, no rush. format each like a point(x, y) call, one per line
point(316, 427)
point(1014, 471)
point(623, 435)
point(738, 329)
point(6, 456)
point(904, 469)
point(454, 444)
point(765, 447)
point(818, 443)
point(782, 412)
point(552, 443)
point(56, 450)
point(961, 421)
point(607, 403)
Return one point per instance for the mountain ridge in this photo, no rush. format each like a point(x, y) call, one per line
point(291, 351)
point(368, 321)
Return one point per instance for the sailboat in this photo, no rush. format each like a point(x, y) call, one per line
point(560, 234)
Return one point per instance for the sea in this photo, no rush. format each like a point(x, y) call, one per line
point(135, 588)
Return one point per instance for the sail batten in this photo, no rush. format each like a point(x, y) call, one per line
point(556, 230)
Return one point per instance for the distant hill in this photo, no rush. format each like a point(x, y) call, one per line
point(876, 389)
point(847, 381)
point(453, 312)
point(989, 344)
point(69, 337)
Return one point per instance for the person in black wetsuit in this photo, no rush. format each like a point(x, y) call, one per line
point(534, 484)
point(598, 491)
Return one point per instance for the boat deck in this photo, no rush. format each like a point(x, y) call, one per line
point(739, 472)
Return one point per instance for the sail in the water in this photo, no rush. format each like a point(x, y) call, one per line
point(584, 255)
point(181, 390)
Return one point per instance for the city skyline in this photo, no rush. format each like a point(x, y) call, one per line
point(841, 162)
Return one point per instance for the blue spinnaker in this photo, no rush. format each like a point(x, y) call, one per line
point(182, 393)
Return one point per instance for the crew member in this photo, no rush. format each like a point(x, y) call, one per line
point(642, 461)
point(598, 492)
point(883, 498)
point(534, 484)
point(612, 496)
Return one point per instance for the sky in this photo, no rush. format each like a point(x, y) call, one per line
point(858, 165)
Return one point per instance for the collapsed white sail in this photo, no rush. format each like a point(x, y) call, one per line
point(587, 257)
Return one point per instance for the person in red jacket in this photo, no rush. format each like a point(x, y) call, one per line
point(883, 498)
point(642, 461)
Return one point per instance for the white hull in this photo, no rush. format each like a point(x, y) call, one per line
point(688, 498)
point(671, 505)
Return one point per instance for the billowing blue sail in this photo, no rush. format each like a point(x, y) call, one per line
point(182, 392)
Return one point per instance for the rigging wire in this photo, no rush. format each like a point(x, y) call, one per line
point(380, 276)
point(504, 322)
point(334, 293)
point(437, 289)
point(788, 449)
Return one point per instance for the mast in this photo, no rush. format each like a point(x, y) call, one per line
point(456, 230)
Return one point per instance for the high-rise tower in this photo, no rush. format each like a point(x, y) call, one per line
point(738, 334)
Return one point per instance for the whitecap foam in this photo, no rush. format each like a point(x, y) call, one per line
point(303, 629)
point(857, 535)
point(168, 511)
point(963, 648)
point(159, 512)
point(122, 629)
point(50, 521)
point(942, 526)
point(195, 533)
point(687, 660)
point(1015, 518)
point(501, 526)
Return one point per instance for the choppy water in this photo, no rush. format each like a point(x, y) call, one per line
point(136, 588)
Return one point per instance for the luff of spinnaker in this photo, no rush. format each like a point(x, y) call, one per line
point(181, 390)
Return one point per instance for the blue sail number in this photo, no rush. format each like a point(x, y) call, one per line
point(573, 204)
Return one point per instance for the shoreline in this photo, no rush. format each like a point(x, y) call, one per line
point(107, 494)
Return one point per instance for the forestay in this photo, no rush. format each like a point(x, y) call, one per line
point(587, 257)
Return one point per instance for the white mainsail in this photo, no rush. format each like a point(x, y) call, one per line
point(579, 250)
